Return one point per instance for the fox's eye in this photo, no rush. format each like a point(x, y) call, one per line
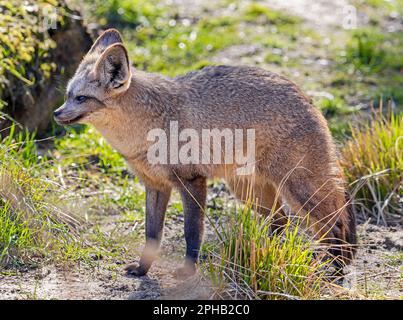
point(80, 99)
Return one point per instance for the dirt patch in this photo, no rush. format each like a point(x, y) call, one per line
point(105, 278)
point(323, 15)
point(378, 269)
point(376, 273)
point(101, 283)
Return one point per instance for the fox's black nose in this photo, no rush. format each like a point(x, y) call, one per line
point(57, 113)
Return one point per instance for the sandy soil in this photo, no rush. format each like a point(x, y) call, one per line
point(105, 278)
point(376, 273)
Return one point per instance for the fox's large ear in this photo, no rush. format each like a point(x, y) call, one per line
point(106, 39)
point(113, 68)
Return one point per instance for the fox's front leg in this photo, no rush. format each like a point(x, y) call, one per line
point(193, 196)
point(156, 205)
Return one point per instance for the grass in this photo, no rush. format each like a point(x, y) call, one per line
point(371, 64)
point(379, 8)
point(256, 10)
point(82, 145)
point(332, 107)
point(251, 261)
point(365, 51)
point(373, 163)
point(90, 164)
point(161, 39)
point(35, 224)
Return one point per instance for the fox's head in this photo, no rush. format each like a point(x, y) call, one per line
point(102, 76)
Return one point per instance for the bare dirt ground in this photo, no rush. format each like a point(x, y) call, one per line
point(100, 283)
point(106, 278)
point(377, 270)
point(376, 273)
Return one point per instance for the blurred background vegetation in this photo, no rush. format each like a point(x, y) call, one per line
point(353, 76)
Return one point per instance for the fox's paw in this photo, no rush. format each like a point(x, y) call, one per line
point(135, 270)
point(185, 272)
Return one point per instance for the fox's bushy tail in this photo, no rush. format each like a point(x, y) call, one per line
point(344, 244)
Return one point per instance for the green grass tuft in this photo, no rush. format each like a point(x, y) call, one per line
point(373, 163)
point(252, 262)
point(365, 51)
point(34, 222)
point(267, 15)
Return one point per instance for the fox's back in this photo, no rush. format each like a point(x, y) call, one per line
point(228, 96)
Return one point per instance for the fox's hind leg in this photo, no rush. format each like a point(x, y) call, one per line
point(193, 193)
point(242, 188)
point(263, 197)
point(269, 204)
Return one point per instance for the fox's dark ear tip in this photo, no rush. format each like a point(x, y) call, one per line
point(112, 32)
point(106, 39)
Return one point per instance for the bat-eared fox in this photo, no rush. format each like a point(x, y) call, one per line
point(294, 167)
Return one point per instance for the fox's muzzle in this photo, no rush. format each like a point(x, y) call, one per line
point(64, 116)
point(57, 113)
